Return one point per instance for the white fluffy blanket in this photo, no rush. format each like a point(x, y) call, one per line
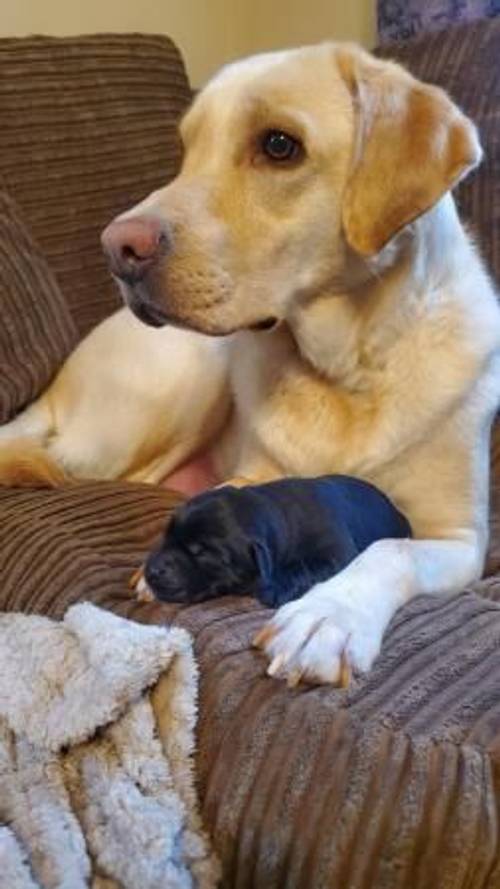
point(96, 735)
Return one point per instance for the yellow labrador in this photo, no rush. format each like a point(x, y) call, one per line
point(312, 220)
point(130, 402)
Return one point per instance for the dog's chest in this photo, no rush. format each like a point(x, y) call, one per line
point(341, 347)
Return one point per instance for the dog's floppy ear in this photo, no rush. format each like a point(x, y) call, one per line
point(412, 145)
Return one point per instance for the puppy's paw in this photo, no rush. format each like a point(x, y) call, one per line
point(323, 637)
point(138, 584)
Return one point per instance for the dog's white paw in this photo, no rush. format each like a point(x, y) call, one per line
point(323, 637)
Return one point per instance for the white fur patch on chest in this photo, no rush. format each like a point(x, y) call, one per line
point(339, 342)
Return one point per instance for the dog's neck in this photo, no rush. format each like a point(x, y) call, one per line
point(346, 331)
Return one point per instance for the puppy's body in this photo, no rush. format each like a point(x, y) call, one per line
point(273, 541)
point(315, 193)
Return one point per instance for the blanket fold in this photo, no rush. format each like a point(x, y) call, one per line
point(97, 718)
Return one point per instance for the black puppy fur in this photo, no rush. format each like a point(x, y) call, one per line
point(272, 541)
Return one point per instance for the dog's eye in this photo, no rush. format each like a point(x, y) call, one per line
point(279, 146)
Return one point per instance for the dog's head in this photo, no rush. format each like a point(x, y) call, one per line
point(297, 166)
point(204, 553)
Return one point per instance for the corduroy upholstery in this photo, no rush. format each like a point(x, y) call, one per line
point(393, 784)
point(37, 331)
point(88, 128)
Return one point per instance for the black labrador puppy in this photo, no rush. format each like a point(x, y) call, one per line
point(273, 541)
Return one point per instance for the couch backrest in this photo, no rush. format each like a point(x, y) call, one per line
point(465, 60)
point(87, 128)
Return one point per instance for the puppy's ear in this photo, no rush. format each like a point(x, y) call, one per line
point(412, 145)
point(262, 559)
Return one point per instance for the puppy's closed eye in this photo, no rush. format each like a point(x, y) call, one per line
point(195, 548)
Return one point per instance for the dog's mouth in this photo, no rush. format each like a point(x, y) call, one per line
point(151, 314)
point(164, 581)
point(177, 583)
point(148, 313)
point(265, 324)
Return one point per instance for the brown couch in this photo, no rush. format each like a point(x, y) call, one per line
point(393, 784)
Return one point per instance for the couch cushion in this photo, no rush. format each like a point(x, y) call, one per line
point(36, 330)
point(465, 61)
point(392, 784)
point(88, 128)
point(79, 542)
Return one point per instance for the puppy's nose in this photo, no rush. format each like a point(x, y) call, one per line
point(153, 572)
point(133, 245)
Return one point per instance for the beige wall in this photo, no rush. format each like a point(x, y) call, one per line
point(204, 29)
point(209, 32)
point(282, 23)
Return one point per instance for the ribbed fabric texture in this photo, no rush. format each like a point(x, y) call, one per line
point(390, 785)
point(88, 128)
point(58, 547)
point(36, 328)
point(465, 61)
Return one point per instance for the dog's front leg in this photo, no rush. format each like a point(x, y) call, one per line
point(338, 626)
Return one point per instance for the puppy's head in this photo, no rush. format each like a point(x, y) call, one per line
point(204, 553)
point(295, 164)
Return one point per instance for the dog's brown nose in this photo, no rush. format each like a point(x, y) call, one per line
point(133, 245)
